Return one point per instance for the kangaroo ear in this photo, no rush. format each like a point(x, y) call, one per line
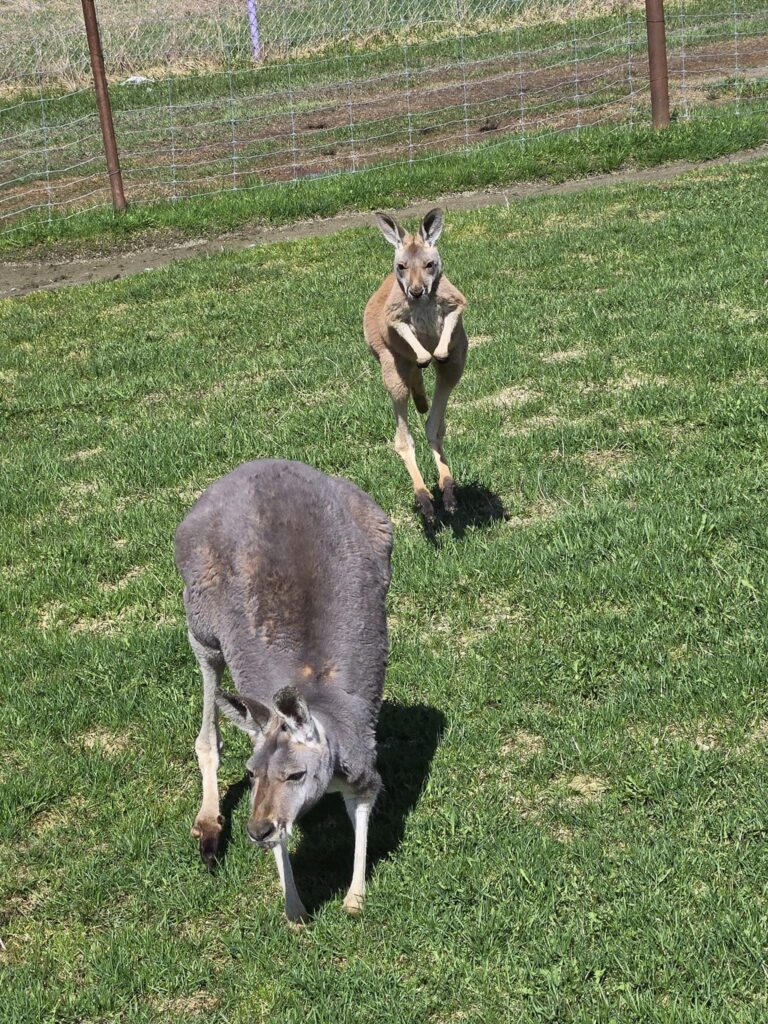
point(248, 715)
point(390, 229)
point(293, 711)
point(432, 226)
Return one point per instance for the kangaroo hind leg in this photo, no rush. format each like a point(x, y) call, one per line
point(418, 392)
point(448, 376)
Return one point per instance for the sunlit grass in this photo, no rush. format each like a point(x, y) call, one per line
point(577, 674)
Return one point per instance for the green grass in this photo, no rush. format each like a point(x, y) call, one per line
point(589, 844)
point(553, 157)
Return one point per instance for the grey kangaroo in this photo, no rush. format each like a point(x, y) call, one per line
point(286, 572)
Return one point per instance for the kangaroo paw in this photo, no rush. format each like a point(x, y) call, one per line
point(208, 832)
point(353, 902)
point(450, 504)
point(424, 501)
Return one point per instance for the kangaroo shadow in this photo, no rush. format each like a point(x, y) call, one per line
point(478, 507)
point(408, 737)
point(232, 798)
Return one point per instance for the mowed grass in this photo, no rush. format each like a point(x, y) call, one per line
point(574, 739)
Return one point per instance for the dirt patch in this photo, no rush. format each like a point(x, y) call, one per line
point(510, 397)
point(480, 339)
point(567, 356)
point(124, 581)
point(562, 833)
point(85, 453)
point(622, 385)
point(703, 735)
point(756, 738)
point(21, 278)
point(196, 1004)
point(66, 814)
point(522, 746)
point(113, 625)
point(488, 616)
point(540, 511)
point(584, 789)
point(609, 462)
point(540, 423)
point(108, 743)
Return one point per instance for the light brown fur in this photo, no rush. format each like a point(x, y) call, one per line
point(412, 319)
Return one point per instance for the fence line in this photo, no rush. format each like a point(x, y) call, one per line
point(340, 87)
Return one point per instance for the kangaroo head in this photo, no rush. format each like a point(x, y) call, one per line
point(417, 261)
point(290, 765)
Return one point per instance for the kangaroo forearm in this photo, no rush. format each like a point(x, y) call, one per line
point(449, 323)
point(405, 331)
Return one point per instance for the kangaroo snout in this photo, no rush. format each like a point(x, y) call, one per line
point(262, 832)
point(415, 293)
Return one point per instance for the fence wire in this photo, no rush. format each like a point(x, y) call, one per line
point(216, 95)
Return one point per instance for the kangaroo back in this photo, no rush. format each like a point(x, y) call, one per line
point(286, 572)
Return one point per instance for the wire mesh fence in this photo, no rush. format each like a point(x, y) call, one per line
point(212, 95)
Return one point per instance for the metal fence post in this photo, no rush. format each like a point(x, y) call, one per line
point(657, 62)
point(105, 109)
point(253, 24)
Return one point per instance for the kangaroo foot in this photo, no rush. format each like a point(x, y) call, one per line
point(450, 504)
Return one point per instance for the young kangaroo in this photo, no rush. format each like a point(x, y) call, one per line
point(413, 318)
point(286, 571)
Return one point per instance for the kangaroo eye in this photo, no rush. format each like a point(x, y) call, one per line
point(250, 774)
point(430, 265)
point(296, 776)
point(401, 266)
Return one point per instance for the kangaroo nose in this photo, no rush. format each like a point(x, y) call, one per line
point(260, 831)
point(417, 292)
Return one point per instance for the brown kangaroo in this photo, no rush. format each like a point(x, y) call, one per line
point(413, 318)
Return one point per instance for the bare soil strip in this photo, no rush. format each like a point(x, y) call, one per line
point(21, 278)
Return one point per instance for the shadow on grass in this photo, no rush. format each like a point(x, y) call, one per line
point(408, 736)
point(232, 798)
point(322, 865)
point(478, 508)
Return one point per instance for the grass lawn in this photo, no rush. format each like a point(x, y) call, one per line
point(575, 732)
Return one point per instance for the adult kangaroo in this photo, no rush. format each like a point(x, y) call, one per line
point(415, 316)
point(286, 572)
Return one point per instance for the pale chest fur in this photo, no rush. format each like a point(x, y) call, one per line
point(426, 319)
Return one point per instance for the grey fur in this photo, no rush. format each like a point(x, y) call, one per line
point(286, 572)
